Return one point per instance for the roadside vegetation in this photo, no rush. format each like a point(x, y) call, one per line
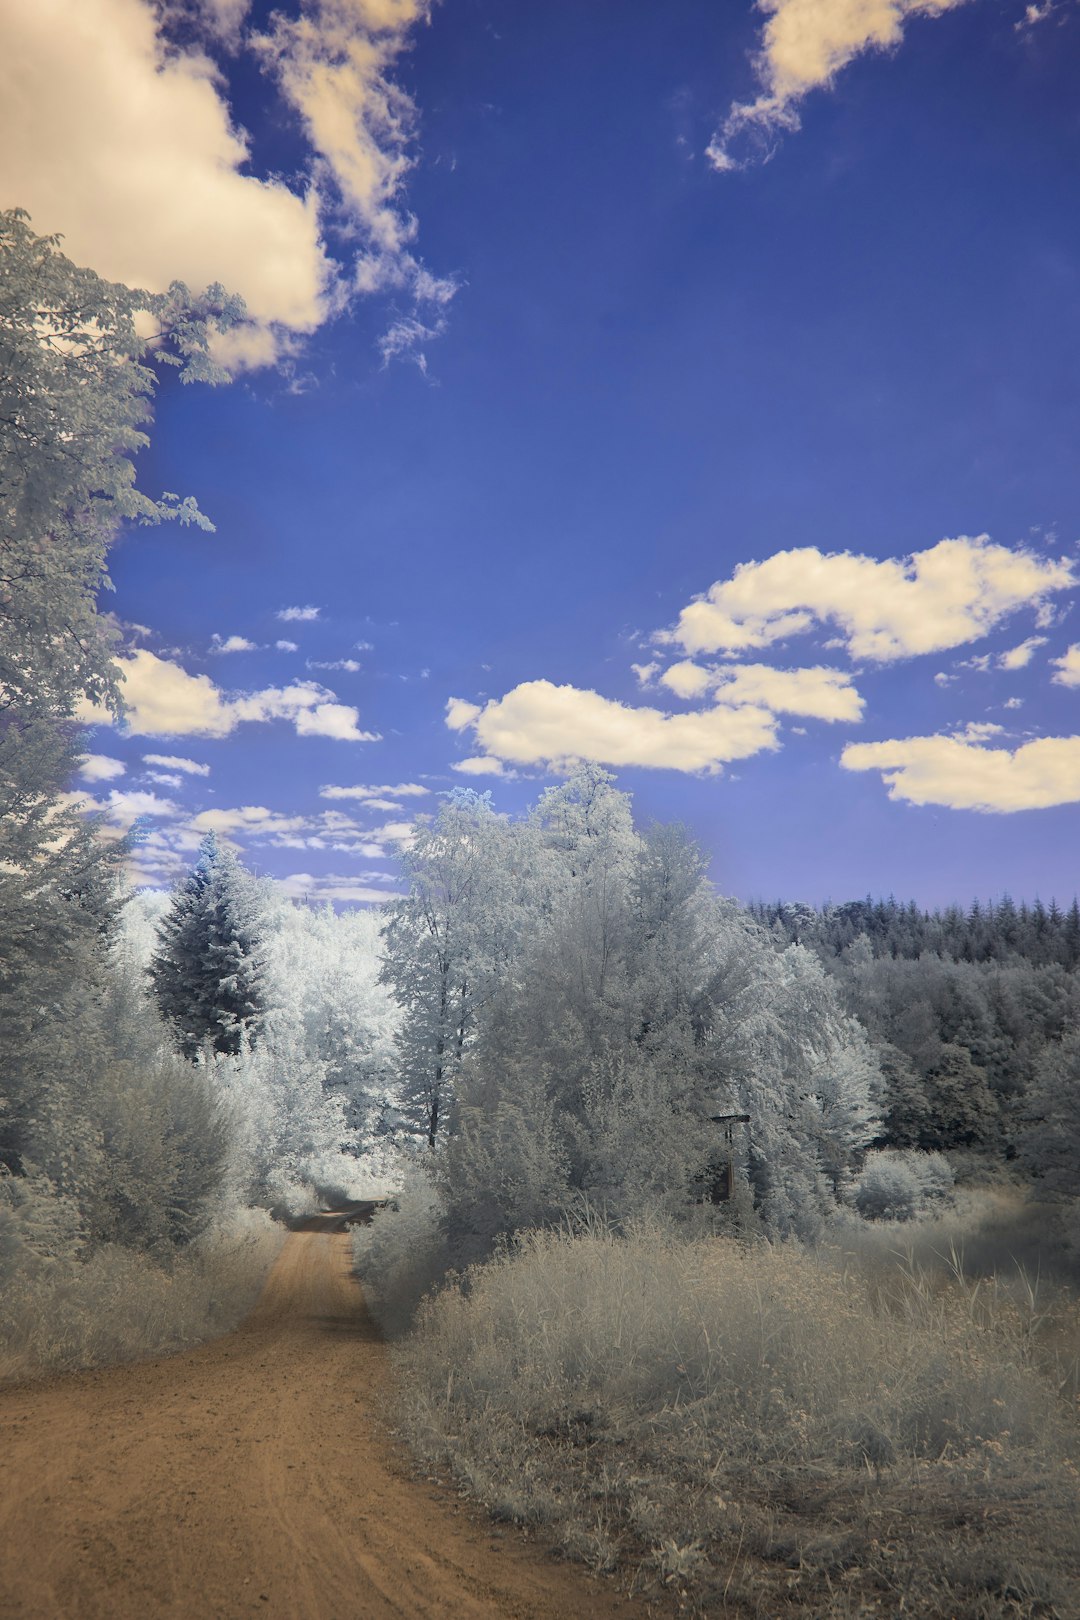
point(860, 1427)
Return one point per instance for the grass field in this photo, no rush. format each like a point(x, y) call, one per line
point(876, 1427)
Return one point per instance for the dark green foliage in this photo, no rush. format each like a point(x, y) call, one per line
point(207, 975)
point(963, 1005)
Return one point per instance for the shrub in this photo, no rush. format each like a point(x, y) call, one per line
point(721, 1414)
point(59, 1314)
point(899, 1184)
point(403, 1253)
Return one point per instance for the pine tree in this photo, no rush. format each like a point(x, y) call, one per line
point(207, 976)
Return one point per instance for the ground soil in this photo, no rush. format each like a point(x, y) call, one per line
point(255, 1475)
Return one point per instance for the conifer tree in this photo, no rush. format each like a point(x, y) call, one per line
point(207, 975)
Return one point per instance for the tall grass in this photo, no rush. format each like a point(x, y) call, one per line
point(763, 1427)
point(57, 1315)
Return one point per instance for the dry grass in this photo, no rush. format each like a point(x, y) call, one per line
point(122, 1304)
point(762, 1429)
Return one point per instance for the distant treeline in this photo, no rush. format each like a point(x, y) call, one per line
point(967, 1010)
point(998, 931)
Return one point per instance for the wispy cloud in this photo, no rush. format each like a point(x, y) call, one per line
point(804, 44)
point(361, 791)
point(326, 886)
point(177, 762)
point(297, 615)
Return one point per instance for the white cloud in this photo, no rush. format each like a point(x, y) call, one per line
point(686, 679)
point(297, 615)
point(646, 673)
point(393, 832)
point(232, 644)
point(819, 692)
point(1068, 667)
point(804, 45)
point(978, 731)
point(127, 145)
point(124, 804)
point(333, 64)
point(163, 700)
point(132, 153)
point(949, 594)
point(349, 665)
point(941, 679)
point(1014, 703)
point(482, 765)
point(307, 886)
point(100, 768)
point(403, 790)
point(177, 762)
point(287, 646)
point(964, 776)
point(1020, 657)
point(248, 818)
point(224, 19)
point(407, 339)
point(538, 722)
point(170, 779)
point(459, 713)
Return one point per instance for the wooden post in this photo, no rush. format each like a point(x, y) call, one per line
point(723, 1185)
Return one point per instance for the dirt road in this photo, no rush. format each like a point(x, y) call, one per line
point(249, 1477)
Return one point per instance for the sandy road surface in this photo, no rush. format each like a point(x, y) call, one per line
point(249, 1477)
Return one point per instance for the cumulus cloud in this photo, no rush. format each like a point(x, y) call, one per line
point(171, 779)
point(950, 594)
point(132, 153)
point(124, 140)
point(177, 762)
point(482, 765)
point(962, 775)
point(349, 665)
point(232, 644)
point(100, 768)
point(646, 673)
point(804, 44)
point(820, 693)
point(460, 713)
point(297, 615)
point(1068, 667)
point(287, 646)
point(164, 700)
point(540, 723)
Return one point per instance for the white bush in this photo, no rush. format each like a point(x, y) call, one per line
point(899, 1184)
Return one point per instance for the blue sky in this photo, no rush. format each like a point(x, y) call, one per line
point(736, 448)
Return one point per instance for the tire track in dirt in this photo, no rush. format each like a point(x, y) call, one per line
point(250, 1476)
